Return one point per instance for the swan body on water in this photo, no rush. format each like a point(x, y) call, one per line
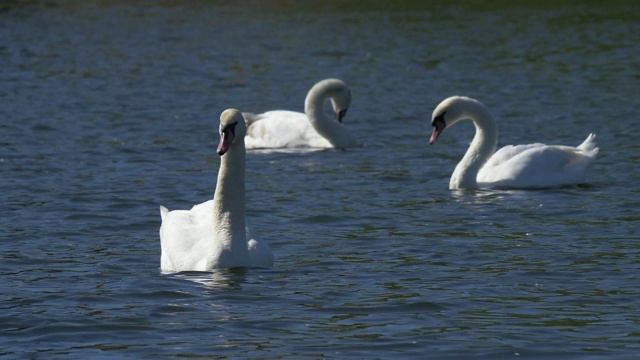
point(513, 166)
point(311, 129)
point(215, 234)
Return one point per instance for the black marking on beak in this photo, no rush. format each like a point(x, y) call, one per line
point(227, 134)
point(341, 114)
point(438, 125)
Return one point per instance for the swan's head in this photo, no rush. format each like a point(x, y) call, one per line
point(335, 90)
point(341, 101)
point(450, 111)
point(232, 130)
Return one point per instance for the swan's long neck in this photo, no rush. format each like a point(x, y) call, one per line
point(482, 147)
point(229, 203)
point(327, 127)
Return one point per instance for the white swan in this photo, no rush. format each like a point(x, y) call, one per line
point(214, 234)
point(313, 129)
point(513, 166)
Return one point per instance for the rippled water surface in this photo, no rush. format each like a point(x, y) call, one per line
point(110, 109)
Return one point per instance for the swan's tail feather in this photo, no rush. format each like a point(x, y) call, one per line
point(589, 145)
point(163, 212)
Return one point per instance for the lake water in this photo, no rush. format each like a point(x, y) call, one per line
point(110, 108)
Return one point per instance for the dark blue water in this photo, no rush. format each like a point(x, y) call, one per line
point(109, 109)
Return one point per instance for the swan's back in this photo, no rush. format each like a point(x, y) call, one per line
point(538, 165)
point(282, 129)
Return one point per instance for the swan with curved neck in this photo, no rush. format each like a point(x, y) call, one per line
point(214, 234)
point(514, 166)
point(313, 129)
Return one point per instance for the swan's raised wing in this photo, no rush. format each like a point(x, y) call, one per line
point(180, 235)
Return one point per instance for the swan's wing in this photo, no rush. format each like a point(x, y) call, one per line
point(509, 152)
point(259, 250)
point(535, 165)
point(281, 129)
point(181, 233)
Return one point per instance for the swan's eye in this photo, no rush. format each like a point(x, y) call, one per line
point(230, 127)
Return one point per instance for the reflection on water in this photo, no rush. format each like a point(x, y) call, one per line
point(224, 279)
point(487, 196)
